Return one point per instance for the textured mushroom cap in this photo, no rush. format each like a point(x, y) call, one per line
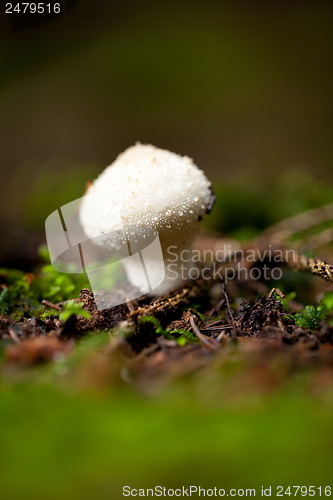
point(146, 187)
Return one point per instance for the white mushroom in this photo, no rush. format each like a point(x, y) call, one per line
point(147, 188)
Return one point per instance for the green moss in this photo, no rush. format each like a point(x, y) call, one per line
point(313, 315)
point(22, 293)
point(70, 308)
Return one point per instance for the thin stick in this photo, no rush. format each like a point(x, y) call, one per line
point(165, 305)
point(215, 309)
point(216, 328)
point(145, 352)
point(206, 341)
point(130, 306)
point(13, 335)
point(220, 337)
point(315, 266)
point(234, 325)
point(278, 291)
point(50, 304)
point(212, 324)
point(283, 229)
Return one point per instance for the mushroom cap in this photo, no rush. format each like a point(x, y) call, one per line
point(146, 187)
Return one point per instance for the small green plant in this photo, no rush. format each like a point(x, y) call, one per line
point(313, 315)
point(56, 286)
point(310, 317)
point(185, 336)
point(22, 293)
point(17, 295)
point(182, 336)
point(158, 327)
point(70, 308)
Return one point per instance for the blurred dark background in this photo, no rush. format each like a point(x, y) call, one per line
point(244, 88)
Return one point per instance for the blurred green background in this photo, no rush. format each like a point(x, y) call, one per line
point(242, 87)
point(245, 88)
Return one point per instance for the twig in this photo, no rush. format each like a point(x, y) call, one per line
point(50, 304)
point(319, 240)
point(301, 262)
point(220, 337)
point(147, 351)
point(278, 291)
point(282, 230)
point(234, 325)
point(13, 335)
point(212, 324)
point(165, 305)
point(217, 327)
point(130, 306)
point(206, 341)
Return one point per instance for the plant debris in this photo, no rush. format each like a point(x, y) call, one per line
point(37, 350)
point(44, 316)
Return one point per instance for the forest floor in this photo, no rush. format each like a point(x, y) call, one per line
point(212, 385)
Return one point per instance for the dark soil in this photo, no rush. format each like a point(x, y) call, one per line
point(259, 329)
